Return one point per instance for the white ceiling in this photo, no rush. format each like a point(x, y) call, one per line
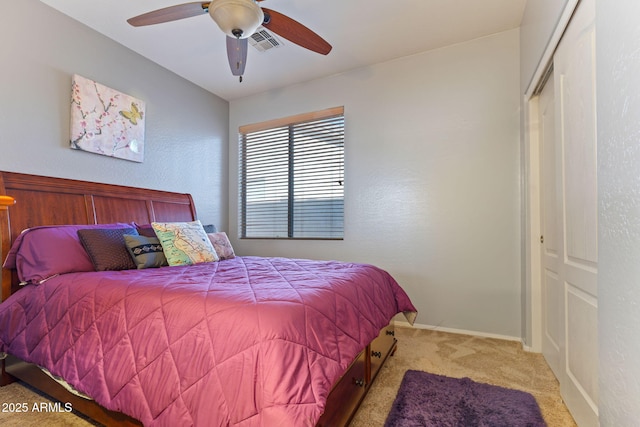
point(361, 33)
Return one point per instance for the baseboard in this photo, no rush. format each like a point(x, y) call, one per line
point(404, 324)
point(528, 348)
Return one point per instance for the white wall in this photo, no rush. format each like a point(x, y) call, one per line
point(186, 127)
point(432, 177)
point(618, 93)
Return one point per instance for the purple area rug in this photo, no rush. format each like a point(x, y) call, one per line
point(430, 400)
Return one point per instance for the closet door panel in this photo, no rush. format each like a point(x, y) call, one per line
point(574, 72)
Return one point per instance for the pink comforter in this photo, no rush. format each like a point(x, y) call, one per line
point(245, 342)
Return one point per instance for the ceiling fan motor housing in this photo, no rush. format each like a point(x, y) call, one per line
point(236, 18)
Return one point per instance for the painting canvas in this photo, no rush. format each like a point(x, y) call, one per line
point(105, 121)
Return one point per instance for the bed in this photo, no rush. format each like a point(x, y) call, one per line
point(243, 341)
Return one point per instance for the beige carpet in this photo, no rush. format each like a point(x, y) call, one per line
point(13, 399)
point(488, 360)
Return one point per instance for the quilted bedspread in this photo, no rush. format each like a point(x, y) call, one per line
point(244, 342)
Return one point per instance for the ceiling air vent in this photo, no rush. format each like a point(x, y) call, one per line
point(263, 40)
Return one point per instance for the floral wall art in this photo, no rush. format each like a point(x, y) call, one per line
point(105, 121)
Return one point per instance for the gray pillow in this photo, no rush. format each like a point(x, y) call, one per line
point(145, 251)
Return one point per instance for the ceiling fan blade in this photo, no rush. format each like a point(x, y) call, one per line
point(237, 55)
point(171, 13)
point(295, 32)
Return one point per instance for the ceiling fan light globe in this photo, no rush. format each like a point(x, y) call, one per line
point(230, 15)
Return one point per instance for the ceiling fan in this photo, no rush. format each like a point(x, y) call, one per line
point(238, 19)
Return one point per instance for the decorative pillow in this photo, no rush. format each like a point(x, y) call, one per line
point(106, 248)
point(209, 228)
point(41, 252)
point(146, 252)
point(145, 230)
point(222, 245)
point(184, 243)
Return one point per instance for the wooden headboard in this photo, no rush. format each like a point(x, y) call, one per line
point(42, 200)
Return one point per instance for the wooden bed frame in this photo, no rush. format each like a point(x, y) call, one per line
point(44, 200)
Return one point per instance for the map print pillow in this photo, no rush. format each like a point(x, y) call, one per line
point(184, 243)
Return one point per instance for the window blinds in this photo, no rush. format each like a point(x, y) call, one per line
point(292, 177)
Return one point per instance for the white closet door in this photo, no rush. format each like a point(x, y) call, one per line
point(575, 93)
point(552, 287)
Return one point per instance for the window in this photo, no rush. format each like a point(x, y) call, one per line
point(292, 177)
